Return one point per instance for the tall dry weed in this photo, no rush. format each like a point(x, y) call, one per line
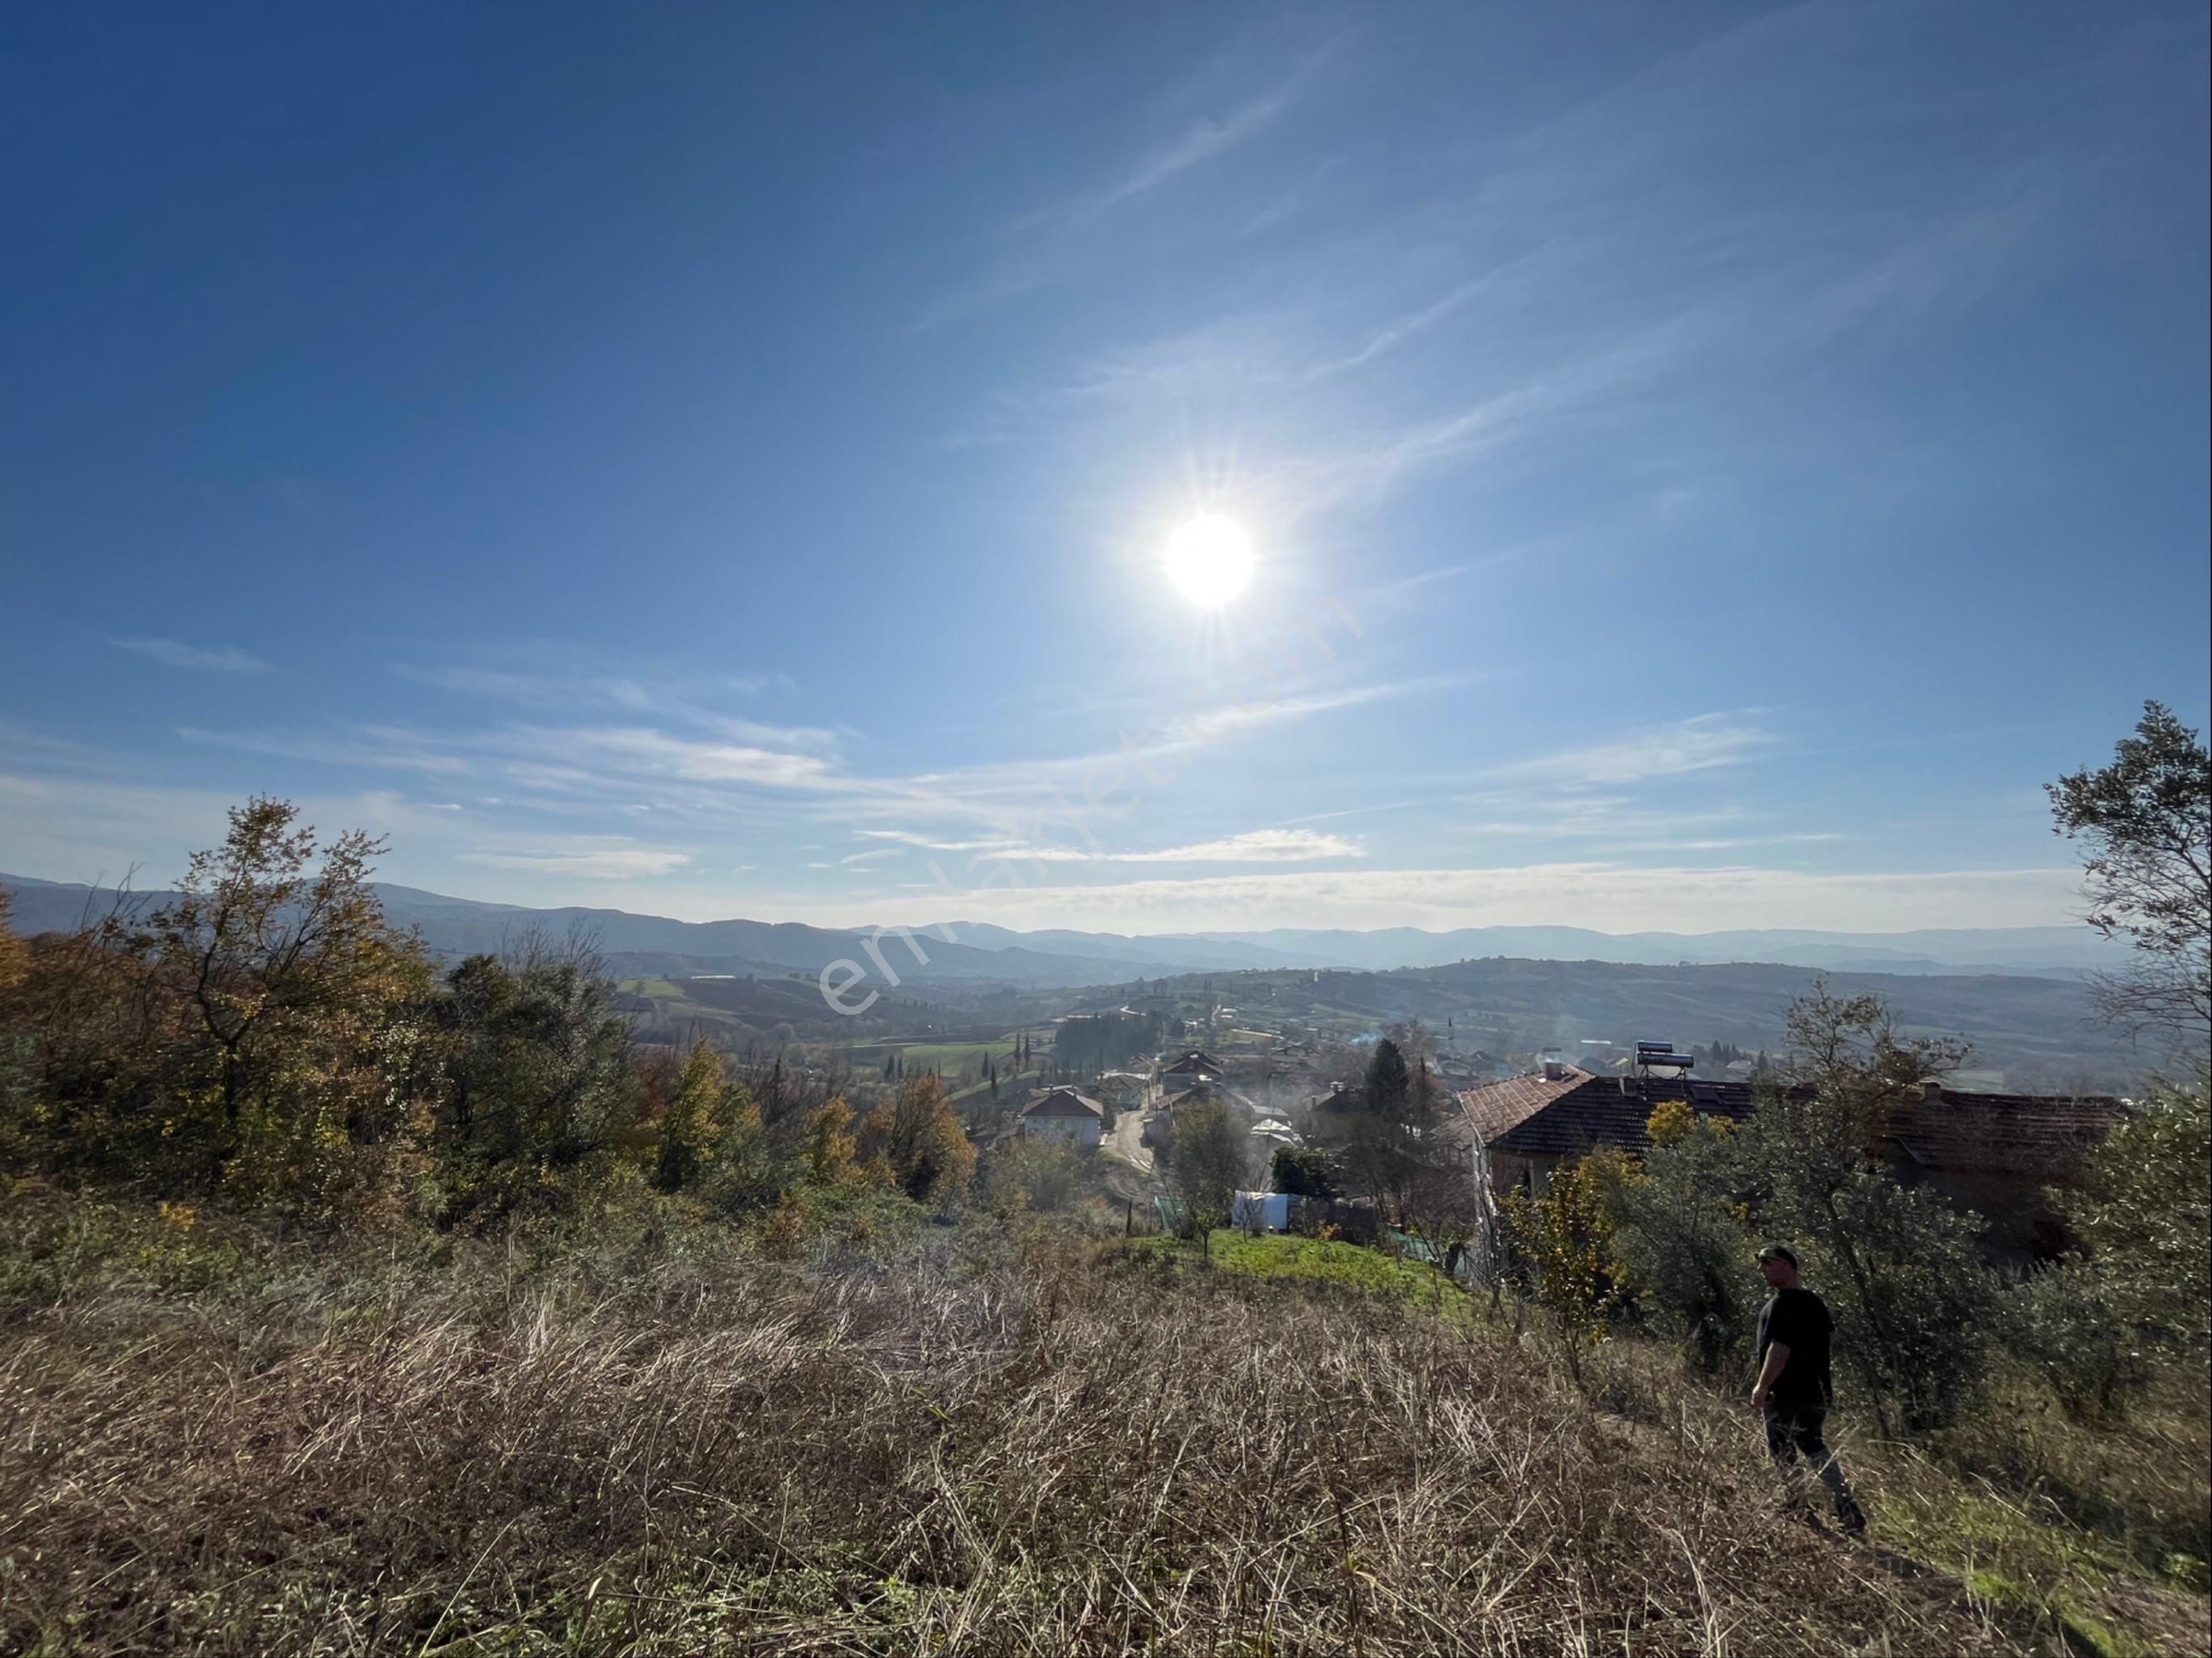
point(726, 1455)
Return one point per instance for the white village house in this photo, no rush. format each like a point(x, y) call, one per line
point(1062, 1113)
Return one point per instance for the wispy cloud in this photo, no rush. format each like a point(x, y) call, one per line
point(176, 655)
point(643, 748)
point(1050, 243)
point(876, 856)
point(1276, 846)
point(1700, 743)
point(1200, 142)
point(1269, 846)
point(579, 684)
point(382, 748)
point(594, 859)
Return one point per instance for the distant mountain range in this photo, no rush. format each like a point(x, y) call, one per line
point(1061, 958)
point(2038, 952)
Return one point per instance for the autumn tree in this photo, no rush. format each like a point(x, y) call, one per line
point(694, 1121)
point(1562, 1239)
point(915, 1135)
point(826, 1144)
point(296, 1003)
point(2144, 827)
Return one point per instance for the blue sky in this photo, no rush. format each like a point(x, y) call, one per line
point(1708, 464)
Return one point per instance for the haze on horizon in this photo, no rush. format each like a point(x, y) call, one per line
point(1701, 468)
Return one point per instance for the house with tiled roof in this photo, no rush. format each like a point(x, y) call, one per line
point(1064, 1115)
point(1997, 1154)
point(1159, 1127)
point(1488, 1109)
point(1195, 1067)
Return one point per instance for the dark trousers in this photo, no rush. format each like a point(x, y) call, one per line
point(1794, 1431)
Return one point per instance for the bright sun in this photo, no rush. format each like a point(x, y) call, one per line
point(1210, 558)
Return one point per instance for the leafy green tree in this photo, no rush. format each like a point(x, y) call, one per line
point(538, 1080)
point(1390, 1083)
point(1912, 1300)
point(2061, 1322)
point(1206, 1153)
point(1305, 1171)
point(2145, 826)
point(1679, 1234)
point(2144, 1214)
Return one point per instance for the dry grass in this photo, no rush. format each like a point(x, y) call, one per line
point(1069, 1452)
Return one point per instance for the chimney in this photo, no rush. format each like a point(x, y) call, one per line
point(1628, 1085)
point(1554, 1071)
point(1931, 1088)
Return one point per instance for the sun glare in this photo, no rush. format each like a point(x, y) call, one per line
point(1210, 560)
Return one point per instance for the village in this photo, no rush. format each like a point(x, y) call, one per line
point(1483, 1126)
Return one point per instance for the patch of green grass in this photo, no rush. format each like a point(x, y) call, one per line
point(2050, 1573)
point(653, 988)
point(1280, 1256)
point(952, 1056)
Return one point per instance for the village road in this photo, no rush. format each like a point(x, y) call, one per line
point(1126, 1139)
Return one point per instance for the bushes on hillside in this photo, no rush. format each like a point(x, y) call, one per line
point(2144, 1214)
point(532, 1075)
point(1921, 1317)
point(268, 1041)
point(254, 1039)
point(1679, 1235)
point(915, 1136)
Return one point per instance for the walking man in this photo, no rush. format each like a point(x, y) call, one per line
point(1794, 1389)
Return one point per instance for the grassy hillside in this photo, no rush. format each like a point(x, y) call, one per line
point(969, 1441)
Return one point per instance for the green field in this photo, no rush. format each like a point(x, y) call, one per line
point(950, 1056)
point(1277, 1255)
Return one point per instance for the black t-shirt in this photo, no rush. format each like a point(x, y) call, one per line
point(1799, 1320)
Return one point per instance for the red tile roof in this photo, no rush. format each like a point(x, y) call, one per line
point(2002, 1133)
point(1596, 1111)
point(1492, 1109)
point(2023, 1133)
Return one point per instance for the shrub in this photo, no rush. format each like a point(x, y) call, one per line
point(2061, 1322)
point(1043, 1176)
point(2144, 1214)
point(1562, 1240)
point(1305, 1171)
point(1679, 1237)
point(1912, 1300)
